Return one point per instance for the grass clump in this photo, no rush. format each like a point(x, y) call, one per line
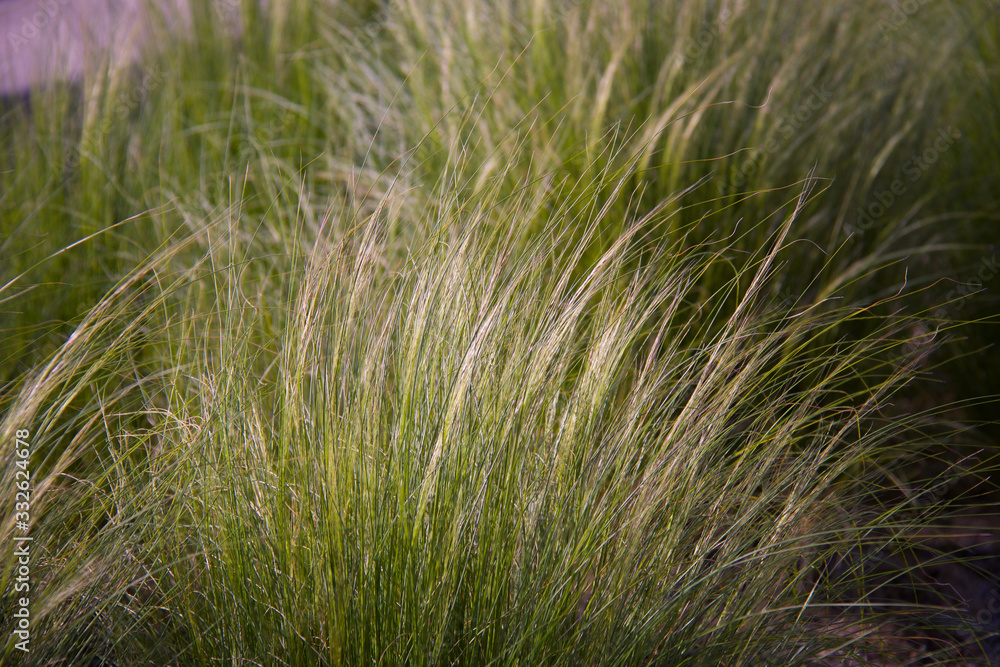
point(410, 335)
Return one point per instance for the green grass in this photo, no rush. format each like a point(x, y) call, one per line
point(495, 333)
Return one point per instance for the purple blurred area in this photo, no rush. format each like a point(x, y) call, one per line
point(46, 40)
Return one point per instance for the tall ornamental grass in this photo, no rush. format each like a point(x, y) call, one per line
point(486, 451)
point(494, 333)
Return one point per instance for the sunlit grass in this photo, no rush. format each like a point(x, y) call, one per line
point(505, 333)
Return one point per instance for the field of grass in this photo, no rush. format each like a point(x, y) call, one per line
point(526, 332)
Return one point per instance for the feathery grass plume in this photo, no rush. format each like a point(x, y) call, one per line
point(747, 95)
point(447, 333)
point(484, 453)
point(87, 408)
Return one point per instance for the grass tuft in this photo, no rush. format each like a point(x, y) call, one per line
point(502, 333)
